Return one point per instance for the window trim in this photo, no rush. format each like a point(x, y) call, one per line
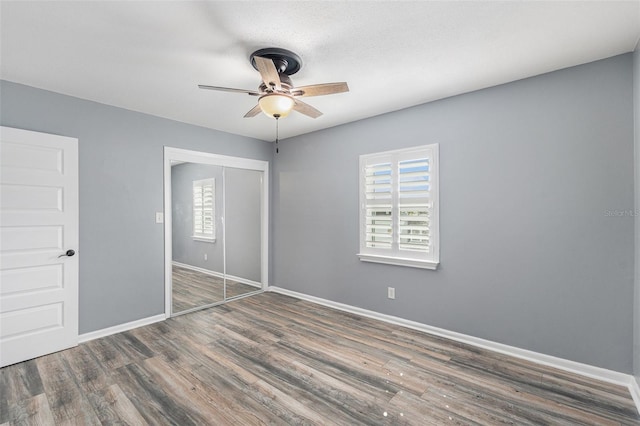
point(201, 236)
point(393, 256)
point(399, 261)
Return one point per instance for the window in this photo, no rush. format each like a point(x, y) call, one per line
point(204, 203)
point(399, 207)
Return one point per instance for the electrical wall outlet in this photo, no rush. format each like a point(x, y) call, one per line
point(205, 256)
point(391, 292)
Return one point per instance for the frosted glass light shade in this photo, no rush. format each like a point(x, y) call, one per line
point(275, 104)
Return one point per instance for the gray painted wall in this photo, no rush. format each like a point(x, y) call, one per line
point(241, 206)
point(636, 119)
point(529, 257)
point(184, 248)
point(121, 165)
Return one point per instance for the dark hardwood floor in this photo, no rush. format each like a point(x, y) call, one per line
point(271, 359)
point(192, 289)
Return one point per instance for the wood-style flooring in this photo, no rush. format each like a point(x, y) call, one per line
point(272, 359)
point(192, 289)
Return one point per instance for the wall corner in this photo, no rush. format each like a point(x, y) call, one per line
point(636, 191)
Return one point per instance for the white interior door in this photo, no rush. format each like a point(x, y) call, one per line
point(38, 231)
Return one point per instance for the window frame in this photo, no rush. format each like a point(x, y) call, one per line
point(202, 236)
point(394, 255)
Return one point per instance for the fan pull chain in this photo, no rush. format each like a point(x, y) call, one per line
point(277, 116)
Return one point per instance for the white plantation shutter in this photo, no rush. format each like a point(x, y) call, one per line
point(204, 208)
point(413, 205)
point(398, 197)
point(379, 225)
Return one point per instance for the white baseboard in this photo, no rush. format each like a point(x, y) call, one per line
point(590, 371)
point(244, 281)
point(198, 269)
point(217, 274)
point(120, 328)
point(634, 389)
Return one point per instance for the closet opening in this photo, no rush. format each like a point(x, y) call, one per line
point(215, 227)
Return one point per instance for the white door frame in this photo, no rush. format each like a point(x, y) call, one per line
point(184, 155)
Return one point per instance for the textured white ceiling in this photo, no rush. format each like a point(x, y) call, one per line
point(149, 56)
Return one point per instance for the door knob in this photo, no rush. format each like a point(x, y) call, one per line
point(68, 253)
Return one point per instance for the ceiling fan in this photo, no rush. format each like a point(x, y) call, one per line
point(277, 94)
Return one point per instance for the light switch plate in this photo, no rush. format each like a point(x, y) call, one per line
point(159, 217)
point(391, 292)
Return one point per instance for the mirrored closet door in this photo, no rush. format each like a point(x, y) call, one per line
point(242, 230)
point(215, 229)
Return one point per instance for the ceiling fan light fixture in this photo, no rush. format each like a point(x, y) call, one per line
point(276, 105)
point(277, 96)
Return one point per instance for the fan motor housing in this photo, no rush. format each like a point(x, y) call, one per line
point(286, 62)
point(285, 82)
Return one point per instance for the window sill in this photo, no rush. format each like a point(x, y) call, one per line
point(399, 261)
point(204, 239)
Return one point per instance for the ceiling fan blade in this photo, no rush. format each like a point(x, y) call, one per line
point(306, 109)
point(320, 89)
point(253, 111)
point(268, 72)
point(228, 89)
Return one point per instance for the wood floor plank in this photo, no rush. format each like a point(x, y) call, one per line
point(20, 381)
point(198, 367)
point(230, 386)
point(269, 388)
point(335, 399)
point(227, 372)
point(289, 408)
point(376, 354)
point(343, 362)
point(522, 401)
point(609, 406)
point(272, 359)
point(232, 407)
point(615, 395)
point(108, 353)
point(166, 344)
point(113, 407)
point(406, 408)
point(30, 411)
point(388, 344)
point(153, 403)
point(67, 402)
point(184, 391)
point(87, 371)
